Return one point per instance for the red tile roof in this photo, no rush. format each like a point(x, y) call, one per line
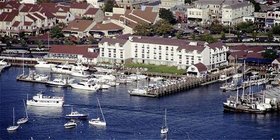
point(200, 67)
point(218, 44)
point(81, 5)
point(8, 16)
point(72, 49)
point(16, 23)
point(255, 55)
point(31, 17)
point(43, 37)
point(182, 44)
point(91, 11)
point(107, 27)
point(39, 16)
point(27, 23)
point(78, 25)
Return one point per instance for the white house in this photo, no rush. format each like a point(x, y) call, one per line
point(162, 51)
point(233, 14)
point(167, 4)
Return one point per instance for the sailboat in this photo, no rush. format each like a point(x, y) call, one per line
point(98, 121)
point(22, 75)
point(13, 127)
point(164, 128)
point(24, 119)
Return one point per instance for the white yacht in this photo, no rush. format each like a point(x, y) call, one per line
point(13, 127)
point(137, 91)
point(4, 64)
point(41, 77)
point(79, 66)
point(86, 86)
point(70, 124)
point(98, 121)
point(40, 100)
point(136, 77)
point(44, 64)
point(60, 82)
point(76, 115)
point(79, 73)
point(223, 77)
point(65, 68)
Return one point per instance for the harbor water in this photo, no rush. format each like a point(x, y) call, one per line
point(193, 114)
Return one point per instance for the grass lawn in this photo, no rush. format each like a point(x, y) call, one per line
point(157, 68)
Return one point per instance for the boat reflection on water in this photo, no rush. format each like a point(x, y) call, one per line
point(45, 111)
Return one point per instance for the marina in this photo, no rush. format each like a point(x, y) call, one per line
point(195, 110)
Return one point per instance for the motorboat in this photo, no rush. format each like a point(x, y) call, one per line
point(164, 128)
point(70, 124)
point(4, 64)
point(24, 119)
point(79, 73)
point(76, 115)
point(79, 66)
point(60, 82)
point(40, 100)
point(64, 68)
point(86, 86)
point(41, 77)
point(98, 121)
point(223, 77)
point(13, 127)
point(136, 77)
point(44, 64)
point(137, 91)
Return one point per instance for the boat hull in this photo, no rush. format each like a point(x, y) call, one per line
point(91, 88)
point(38, 103)
point(22, 121)
point(239, 110)
point(97, 123)
point(12, 128)
point(84, 117)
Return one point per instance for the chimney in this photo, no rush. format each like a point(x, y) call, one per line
point(130, 38)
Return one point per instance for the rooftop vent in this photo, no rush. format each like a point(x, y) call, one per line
point(193, 43)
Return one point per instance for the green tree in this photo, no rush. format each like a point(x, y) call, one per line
point(23, 43)
point(247, 27)
point(208, 38)
point(254, 35)
point(193, 37)
point(216, 28)
point(108, 7)
point(56, 32)
point(256, 5)
point(143, 29)
point(270, 36)
point(39, 43)
point(276, 30)
point(162, 27)
point(43, 1)
point(223, 36)
point(167, 15)
point(270, 54)
point(179, 34)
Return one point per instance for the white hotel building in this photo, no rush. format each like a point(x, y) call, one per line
point(162, 51)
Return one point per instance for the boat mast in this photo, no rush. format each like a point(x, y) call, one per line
point(26, 115)
point(13, 116)
point(22, 63)
point(101, 110)
point(243, 92)
point(165, 123)
point(237, 96)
